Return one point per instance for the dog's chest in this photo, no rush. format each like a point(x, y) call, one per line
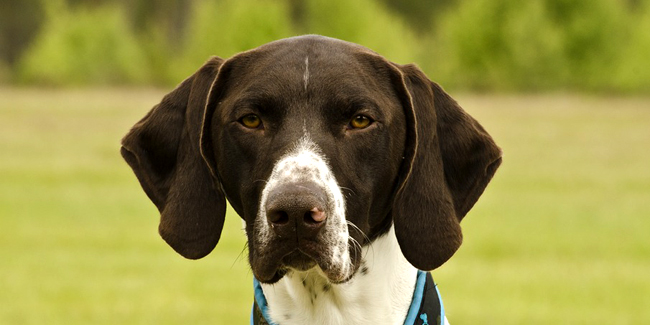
point(380, 292)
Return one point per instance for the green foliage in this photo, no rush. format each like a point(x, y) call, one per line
point(497, 43)
point(364, 22)
point(593, 33)
point(226, 27)
point(503, 45)
point(536, 44)
point(81, 46)
point(633, 69)
point(19, 22)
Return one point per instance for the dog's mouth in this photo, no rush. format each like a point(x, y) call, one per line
point(270, 272)
point(271, 266)
point(298, 260)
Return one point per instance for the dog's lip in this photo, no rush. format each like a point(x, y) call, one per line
point(273, 267)
point(302, 256)
point(299, 260)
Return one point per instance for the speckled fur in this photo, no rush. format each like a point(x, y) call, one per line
point(305, 163)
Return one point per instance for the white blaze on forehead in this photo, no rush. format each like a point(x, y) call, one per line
point(305, 76)
point(305, 163)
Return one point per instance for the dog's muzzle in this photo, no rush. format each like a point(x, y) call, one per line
point(301, 221)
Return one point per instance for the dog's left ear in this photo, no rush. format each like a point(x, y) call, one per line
point(449, 160)
point(163, 150)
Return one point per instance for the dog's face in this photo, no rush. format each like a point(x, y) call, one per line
point(307, 141)
point(320, 146)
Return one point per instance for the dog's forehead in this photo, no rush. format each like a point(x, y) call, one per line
point(306, 64)
point(319, 50)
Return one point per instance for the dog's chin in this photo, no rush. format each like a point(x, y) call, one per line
point(298, 261)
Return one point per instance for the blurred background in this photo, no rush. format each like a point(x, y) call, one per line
point(561, 235)
point(504, 45)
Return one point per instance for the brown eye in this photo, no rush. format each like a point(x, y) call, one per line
point(251, 121)
point(360, 122)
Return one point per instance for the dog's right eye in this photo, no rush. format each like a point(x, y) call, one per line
point(251, 121)
point(360, 122)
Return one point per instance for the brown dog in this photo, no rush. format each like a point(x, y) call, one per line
point(347, 169)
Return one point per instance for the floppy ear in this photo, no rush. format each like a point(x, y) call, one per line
point(163, 151)
point(449, 160)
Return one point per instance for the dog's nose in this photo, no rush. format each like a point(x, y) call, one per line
point(296, 210)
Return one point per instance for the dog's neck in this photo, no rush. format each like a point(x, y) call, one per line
point(380, 292)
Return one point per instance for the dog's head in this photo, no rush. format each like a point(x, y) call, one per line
point(320, 146)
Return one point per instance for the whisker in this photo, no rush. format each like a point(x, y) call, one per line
point(356, 250)
point(365, 237)
point(240, 255)
point(356, 244)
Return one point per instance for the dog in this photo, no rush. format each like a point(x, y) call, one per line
point(351, 174)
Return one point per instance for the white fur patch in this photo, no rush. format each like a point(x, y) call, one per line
point(380, 292)
point(305, 76)
point(305, 163)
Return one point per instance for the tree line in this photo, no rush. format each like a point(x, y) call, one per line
point(484, 45)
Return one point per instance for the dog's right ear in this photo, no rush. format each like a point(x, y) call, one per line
point(163, 151)
point(449, 160)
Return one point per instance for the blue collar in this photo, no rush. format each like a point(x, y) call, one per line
point(426, 305)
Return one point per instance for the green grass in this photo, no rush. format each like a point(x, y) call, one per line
point(560, 236)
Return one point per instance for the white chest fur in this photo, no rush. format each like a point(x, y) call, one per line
point(380, 292)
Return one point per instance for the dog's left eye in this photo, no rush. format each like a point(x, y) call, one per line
point(251, 121)
point(360, 122)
